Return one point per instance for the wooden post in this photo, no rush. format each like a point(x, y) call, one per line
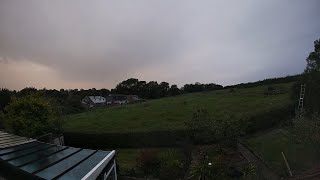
point(285, 160)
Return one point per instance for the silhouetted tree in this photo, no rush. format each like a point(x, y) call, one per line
point(5, 96)
point(164, 88)
point(174, 90)
point(313, 60)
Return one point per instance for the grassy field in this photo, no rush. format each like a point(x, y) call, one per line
point(127, 158)
point(269, 146)
point(170, 113)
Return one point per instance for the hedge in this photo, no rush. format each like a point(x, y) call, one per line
point(125, 140)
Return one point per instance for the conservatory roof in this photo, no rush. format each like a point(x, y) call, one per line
point(32, 159)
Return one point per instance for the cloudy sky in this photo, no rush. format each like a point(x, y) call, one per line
point(85, 44)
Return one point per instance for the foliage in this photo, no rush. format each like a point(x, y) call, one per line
point(313, 60)
point(170, 167)
point(149, 162)
point(208, 169)
point(311, 78)
point(124, 140)
point(307, 131)
point(32, 115)
point(271, 81)
point(153, 90)
point(198, 87)
point(5, 96)
point(200, 126)
point(249, 171)
point(312, 96)
point(223, 128)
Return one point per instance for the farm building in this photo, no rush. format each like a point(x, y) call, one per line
point(94, 101)
point(24, 158)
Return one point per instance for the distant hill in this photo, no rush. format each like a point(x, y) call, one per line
point(170, 113)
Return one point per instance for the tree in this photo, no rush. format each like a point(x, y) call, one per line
point(164, 88)
point(174, 90)
point(152, 90)
point(313, 60)
point(128, 86)
point(312, 80)
point(32, 115)
point(27, 91)
point(5, 96)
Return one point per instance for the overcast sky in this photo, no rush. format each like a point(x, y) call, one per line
point(86, 44)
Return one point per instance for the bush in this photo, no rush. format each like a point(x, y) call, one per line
point(32, 116)
point(307, 131)
point(171, 167)
point(272, 118)
point(149, 162)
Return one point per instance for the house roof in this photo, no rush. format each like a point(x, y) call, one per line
point(97, 99)
point(37, 160)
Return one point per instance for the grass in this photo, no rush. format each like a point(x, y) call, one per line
point(126, 158)
point(269, 146)
point(170, 113)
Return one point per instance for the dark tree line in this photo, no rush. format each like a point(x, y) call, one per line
point(269, 81)
point(153, 89)
point(70, 99)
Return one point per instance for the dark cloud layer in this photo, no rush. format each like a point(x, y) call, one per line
point(75, 44)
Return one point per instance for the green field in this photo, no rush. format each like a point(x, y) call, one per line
point(170, 113)
point(269, 146)
point(127, 158)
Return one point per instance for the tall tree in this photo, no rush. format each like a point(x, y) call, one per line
point(312, 80)
point(313, 60)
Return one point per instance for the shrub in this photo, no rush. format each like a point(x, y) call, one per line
point(307, 131)
point(208, 169)
point(32, 115)
point(149, 162)
point(171, 167)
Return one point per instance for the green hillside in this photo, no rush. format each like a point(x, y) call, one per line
point(170, 113)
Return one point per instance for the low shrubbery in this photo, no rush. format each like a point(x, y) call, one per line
point(155, 163)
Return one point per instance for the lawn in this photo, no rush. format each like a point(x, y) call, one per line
point(170, 113)
point(269, 146)
point(127, 158)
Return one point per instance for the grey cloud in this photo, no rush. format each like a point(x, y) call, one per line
point(177, 41)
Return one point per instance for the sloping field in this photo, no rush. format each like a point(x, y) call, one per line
point(170, 113)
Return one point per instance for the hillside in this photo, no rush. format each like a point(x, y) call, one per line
point(170, 113)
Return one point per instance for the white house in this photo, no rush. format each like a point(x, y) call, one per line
point(93, 101)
